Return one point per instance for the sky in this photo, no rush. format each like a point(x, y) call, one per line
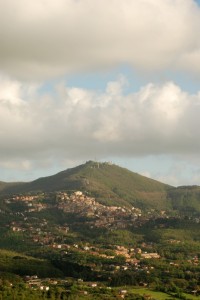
point(101, 80)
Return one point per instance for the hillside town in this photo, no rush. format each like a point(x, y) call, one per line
point(72, 227)
point(113, 217)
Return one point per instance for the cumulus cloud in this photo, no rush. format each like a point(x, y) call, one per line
point(40, 39)
point(77, 123)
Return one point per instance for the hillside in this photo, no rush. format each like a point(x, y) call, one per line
point(6, 185)
point(109, 183)
point(113, 185)
point(185, 199)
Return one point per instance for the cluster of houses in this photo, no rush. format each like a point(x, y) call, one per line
point(31, 203)
point(113, 217)
point(98, 215)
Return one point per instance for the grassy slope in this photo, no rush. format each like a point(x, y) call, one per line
point(158, 295)
point(20, 264)
point(113, 184)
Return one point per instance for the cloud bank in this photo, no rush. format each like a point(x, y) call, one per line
point(41, 39)
point(78, 123)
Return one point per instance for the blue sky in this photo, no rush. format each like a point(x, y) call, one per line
point(109, 81)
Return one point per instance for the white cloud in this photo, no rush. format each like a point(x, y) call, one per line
point(79, 123)
point(40, 39)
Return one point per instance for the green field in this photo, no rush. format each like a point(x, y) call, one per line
point(159, 295)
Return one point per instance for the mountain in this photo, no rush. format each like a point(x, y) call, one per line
point(185, 199)
point(113, 185)
point(109, 183)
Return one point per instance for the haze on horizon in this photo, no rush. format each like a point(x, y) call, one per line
point(115, 80)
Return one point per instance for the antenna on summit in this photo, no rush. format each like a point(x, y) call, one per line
point(97, 163)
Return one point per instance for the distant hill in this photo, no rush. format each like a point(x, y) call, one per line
point(6, 186)
point(185, 199)
point(113, 185)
